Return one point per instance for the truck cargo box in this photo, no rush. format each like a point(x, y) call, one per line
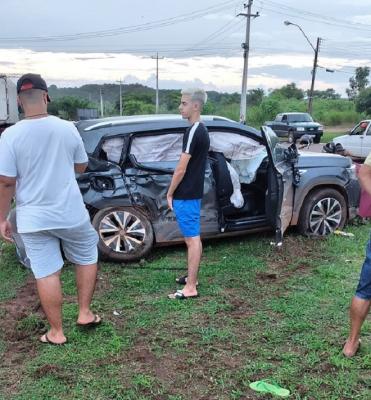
point(8, 102)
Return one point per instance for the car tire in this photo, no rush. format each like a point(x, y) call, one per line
point(317, 139)
point(291, 137)
point(323, 211)
point(125, 234)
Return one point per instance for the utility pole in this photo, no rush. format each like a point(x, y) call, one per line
point(101, 103)
point(156, 57)
point(314, 70)
point(246, 49)
point(120, 82)
point(315, 63)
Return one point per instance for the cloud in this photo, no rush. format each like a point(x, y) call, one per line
point(105, 57)
point(362, 19)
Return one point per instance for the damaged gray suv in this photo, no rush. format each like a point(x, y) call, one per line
point(132, 160)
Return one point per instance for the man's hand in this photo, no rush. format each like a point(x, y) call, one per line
point(6, 231)
point(170, 201)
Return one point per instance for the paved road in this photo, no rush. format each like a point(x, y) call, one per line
point(315, 147)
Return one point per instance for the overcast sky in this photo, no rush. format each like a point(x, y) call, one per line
point(89, 41)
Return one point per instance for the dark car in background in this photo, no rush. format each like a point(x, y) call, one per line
point(294, 125)
point(132, 159)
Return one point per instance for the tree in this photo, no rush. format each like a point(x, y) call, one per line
point(289, 91)
point(66, 107)
point(358, 82)
point(325, 94)
point(255, 97)
point(363, 101)
point(138, 107)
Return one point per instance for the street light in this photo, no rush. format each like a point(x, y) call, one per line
point(316, 51)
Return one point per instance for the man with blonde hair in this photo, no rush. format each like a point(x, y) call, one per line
point(186, 188)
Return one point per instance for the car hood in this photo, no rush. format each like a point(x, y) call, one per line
point(312, 160)
point(337, 138)
point(306, 124)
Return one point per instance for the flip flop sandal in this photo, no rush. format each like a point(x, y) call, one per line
point(46, 340)
point(182, 280)
point(265, 387)
point(179, 295)
point(92, 324)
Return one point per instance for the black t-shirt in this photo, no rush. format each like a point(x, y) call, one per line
point(196, 142)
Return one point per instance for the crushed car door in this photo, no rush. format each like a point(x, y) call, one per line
point(280, 194)
point(152, 158)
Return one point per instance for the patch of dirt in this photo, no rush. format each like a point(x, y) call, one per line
point(294, 248)
point(266, 276)
point(20, 343)
point(53, 370)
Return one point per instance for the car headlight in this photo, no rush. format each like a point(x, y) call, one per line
point(352, 172)
point(300, 129)
point(320, 128)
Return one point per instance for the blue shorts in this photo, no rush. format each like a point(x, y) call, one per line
point(187, 214)
point(364, 286)
point(43, 248)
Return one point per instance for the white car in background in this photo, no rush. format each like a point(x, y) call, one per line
point(358, 141)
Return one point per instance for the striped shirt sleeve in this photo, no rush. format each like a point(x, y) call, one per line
point(189, 143)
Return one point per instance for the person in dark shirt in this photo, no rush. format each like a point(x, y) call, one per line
point(187, 185)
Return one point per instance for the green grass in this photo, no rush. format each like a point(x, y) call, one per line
point(262, 314)
point(328, 136)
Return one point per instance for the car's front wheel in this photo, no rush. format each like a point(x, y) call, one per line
point(317, 139)
point(323, 212)
point(125, 234)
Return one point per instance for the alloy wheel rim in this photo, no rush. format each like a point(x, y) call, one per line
point(325, 216)
point(122, 231)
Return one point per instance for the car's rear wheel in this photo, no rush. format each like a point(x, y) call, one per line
point(125, 234)
point(323, 212)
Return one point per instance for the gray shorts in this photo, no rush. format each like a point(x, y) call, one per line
point(43, 248)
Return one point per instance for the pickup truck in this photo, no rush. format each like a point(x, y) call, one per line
point(8, 103)
point(293, 125)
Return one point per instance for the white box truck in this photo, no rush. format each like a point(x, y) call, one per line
point(8, 103)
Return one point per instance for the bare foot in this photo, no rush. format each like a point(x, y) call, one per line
point(351, 347)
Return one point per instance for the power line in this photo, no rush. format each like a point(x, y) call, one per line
point(124, 30)
point(317, 17)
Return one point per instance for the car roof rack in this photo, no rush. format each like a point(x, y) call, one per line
point(134, 119)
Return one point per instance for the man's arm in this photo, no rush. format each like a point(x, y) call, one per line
point(364, 177)
point(7, 191)
point(80, 168)
point(178, 175)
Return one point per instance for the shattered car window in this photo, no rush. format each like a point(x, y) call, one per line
point(113, 149)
